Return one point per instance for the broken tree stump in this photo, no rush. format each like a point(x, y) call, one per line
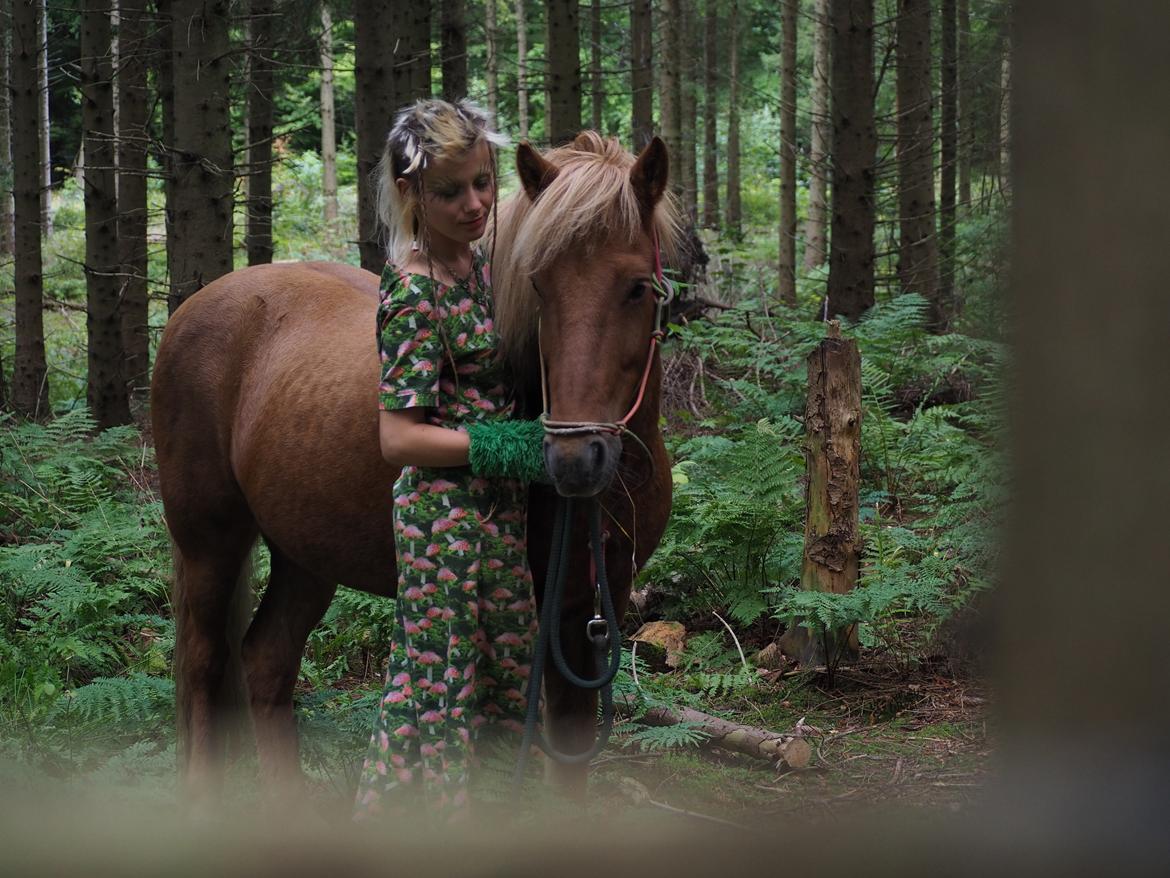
point(832, 421)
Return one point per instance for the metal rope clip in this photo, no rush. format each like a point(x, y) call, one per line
point(597, 628)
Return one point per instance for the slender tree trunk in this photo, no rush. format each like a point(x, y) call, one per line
point(106, 383)
point(815, 245)
point(597, 95)
point(201, 237)
point(851, 253)
point(492, 62)
point(30, 390)
point(382, 86)
point(522, 67)
point(949, 161)
point(563, 77)
point(418, 35)
point(164, 77)
point(966, 74)
point(917, 245)
point(7, 219)
point(688, 109)
point(46, 153)
point(710, 116)
point(261, 86)
point(1005, 114)
point(132, 207)
point(788, 154)
point(734, 209)
point(328, 128)
point(453, 46)
point(641, 74)
point(668, 95)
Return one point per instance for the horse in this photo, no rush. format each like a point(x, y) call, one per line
point(265, 425)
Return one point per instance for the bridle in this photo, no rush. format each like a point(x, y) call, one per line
point(664, 294)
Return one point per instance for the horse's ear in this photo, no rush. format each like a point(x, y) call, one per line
point(649, 175)
point(536, 172)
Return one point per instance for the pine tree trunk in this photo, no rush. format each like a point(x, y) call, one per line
point(328, 127)
point(164, 78)
point(966, 95)
point(30, 390)
point(382, 84)
point(201, 237)
point(788, 154)
point(7, 219)
point(492, 61)
point(816, 251)
point(563, 77)
point(46, 153)
point(851, 250)
point(688, 110)
point(832, 419)
point(1005, 114)
point(453, 47)
point(641, 74)
point(734, 209)
point(917, 244)
point(418, 35)
point(668, 95)
point(949, 160)
point(133, 136)
point(106, 383)
point(597, 94)
point(522, 67)
point(710, 116)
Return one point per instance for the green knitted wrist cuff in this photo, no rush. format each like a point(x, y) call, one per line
point(511, 449)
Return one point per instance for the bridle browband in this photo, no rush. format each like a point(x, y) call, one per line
point(664, 294)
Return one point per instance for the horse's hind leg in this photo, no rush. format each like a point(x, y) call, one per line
point(293, 603)
point(212, 599)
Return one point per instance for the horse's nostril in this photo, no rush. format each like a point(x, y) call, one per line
point(597, 450)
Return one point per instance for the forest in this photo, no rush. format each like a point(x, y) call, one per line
point(838, 163)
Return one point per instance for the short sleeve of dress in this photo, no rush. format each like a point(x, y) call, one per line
point(409, 347)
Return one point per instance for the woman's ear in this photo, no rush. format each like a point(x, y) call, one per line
point(403, 186)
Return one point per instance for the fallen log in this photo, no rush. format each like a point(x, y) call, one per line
point(790, 750)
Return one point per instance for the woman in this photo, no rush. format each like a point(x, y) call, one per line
point(465, 617)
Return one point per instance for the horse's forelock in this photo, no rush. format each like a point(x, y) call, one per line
point(591, 200)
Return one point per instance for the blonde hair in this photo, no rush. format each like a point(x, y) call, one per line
point(423, 132)
point(591, 199)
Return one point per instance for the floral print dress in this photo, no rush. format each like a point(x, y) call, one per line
point(465, 617)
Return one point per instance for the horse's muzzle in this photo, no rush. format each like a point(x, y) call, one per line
point(582, 466)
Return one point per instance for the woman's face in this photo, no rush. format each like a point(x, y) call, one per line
point(458, 195)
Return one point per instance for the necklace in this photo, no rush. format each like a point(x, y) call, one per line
point(456, 278)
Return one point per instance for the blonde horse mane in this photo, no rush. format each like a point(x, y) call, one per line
point(591, 200)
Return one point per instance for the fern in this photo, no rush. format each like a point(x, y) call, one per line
point(650, 739)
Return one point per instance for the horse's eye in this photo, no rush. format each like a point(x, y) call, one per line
point(637, 291)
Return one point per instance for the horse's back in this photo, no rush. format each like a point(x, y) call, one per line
point(265, 394)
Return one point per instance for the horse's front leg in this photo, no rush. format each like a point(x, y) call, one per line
point(570, 713)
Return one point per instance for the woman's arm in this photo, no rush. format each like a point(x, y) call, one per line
point(408, 440)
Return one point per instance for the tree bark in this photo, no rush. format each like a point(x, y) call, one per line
point(381, 87)
point(641, 74)
point(596, 88)
point(948, 145)
point(688, 110)
point(328, 128)
point(668, 96)
point(1005, 111)
point(134, 27)
point(966, 73)
point(816, 250)
point(7, 219)
point(164, 77)
point(917, 244)
point(753, 741)
point(522, 67)
point(710, 117)
point(46, 153)
point(734, 208)
point(788, 153)
point(832, 455)
point(851, 251)
point(492, 61)
point(453, 46)
point(418, 33)
point(105, 380)
point(30, 391)
point(201, 236)
point(563, 76)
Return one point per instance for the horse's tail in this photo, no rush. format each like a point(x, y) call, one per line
point(231, 698)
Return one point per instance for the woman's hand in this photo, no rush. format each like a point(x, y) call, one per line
point(407, 439)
